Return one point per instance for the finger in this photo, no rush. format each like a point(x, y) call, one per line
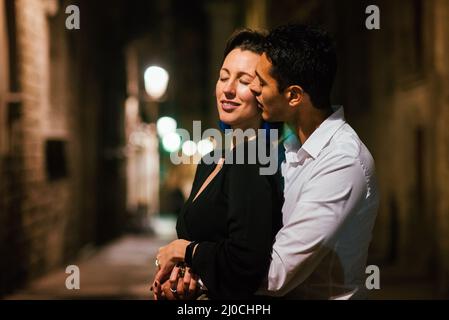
point(157, 289)
point(180, 289)
point(164, 273)
point(174, 277)
point(193, 284)
point(168, 294)
point(156, 283)
point(193, 287)
point(162, 276)
point(187, 278)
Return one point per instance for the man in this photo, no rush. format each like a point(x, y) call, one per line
point(330, 190)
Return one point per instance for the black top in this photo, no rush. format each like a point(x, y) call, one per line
point(235, 218)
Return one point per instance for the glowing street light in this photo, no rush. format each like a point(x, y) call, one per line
point(189, 148)
point(165, 125)
point(205, 146)
point(156, 82)
point(171, 142)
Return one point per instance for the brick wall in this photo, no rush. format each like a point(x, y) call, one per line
point(45, 222)
point(45, 204)
point(34, 210)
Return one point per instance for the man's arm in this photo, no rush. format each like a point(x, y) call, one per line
point(334, 191)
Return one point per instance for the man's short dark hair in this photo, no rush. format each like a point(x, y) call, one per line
point(246, 40)
point(305, 56)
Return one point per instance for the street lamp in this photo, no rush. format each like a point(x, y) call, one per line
point(156, 82)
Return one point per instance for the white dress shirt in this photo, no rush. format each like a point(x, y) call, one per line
point(330, 207)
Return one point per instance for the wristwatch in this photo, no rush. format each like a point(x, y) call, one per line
point(189, 253)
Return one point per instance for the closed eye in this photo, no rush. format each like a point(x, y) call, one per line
point(246, 80)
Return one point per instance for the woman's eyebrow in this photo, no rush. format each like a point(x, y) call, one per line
point(239, 72)
point(246, 73)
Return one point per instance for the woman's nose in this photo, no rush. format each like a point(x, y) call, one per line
point(229, 88)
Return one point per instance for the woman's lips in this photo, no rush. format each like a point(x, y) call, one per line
point(229, 105)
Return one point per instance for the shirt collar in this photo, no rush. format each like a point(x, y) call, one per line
point(294, 152)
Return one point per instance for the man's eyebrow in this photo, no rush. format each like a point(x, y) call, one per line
point(260, 78)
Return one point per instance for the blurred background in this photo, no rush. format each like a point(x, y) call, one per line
point(85, 135)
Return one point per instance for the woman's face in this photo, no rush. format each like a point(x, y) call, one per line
point(236, 104)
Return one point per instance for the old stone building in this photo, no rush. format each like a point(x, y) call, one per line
point(55, 169)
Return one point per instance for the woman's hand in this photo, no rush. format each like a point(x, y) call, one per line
point(187, 287)
point(167, 258)
point(166, 290)
point(182, 285)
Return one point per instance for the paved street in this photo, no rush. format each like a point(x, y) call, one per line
point(121, 270)
point(124, 269)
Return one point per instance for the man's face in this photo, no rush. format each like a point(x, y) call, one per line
point(273, 103)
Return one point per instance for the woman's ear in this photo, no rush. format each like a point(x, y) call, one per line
point(294, 95)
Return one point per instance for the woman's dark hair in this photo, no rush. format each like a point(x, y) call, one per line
point(245, 39)
point(303, 55)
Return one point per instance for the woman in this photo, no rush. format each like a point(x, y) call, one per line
point(227, 226)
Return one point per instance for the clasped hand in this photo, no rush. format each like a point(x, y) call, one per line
point(174, 281)
point(182, 285)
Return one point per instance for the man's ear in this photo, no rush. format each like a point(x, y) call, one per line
point(294, 95)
